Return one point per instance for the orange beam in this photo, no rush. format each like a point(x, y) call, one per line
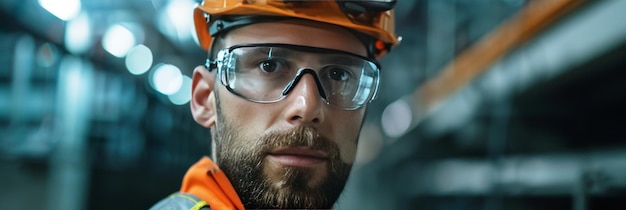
point(531, 20)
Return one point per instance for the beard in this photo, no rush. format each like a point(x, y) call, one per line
point(259, 186)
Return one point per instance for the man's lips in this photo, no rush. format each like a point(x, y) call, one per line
point(298, 156)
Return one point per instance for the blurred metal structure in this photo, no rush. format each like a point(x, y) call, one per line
point(525, 119)
point(77, 130)
point(69, 165)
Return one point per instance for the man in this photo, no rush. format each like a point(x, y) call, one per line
point(284, 93)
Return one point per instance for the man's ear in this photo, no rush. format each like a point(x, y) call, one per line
point(202, 102)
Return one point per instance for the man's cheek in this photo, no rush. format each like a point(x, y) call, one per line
point(347, 151)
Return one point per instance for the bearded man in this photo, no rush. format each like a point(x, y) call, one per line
point(284, 92)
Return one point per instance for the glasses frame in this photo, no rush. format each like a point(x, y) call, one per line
point(216, 64)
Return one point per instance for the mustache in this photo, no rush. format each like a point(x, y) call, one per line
point(300, 136)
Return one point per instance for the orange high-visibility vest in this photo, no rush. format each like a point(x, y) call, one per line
point(206, 181)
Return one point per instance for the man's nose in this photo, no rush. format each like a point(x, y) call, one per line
point(305, 102)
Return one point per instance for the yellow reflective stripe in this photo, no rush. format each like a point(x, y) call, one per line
point(199, 205)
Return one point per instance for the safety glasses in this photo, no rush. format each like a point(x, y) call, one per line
point(266, 73)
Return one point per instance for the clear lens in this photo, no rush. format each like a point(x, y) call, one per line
point(263, 73)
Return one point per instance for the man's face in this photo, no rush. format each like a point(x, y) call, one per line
point(295, 153)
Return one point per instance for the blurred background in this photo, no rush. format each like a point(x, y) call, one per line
point(485, 104)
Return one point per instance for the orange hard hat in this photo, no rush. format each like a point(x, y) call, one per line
point(373, 19)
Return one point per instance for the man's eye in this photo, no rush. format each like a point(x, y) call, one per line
point(339, 74)
point(269, 66)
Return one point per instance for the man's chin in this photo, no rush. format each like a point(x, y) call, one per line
point(294, 178)
point(297, 188)
point(288, 187)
